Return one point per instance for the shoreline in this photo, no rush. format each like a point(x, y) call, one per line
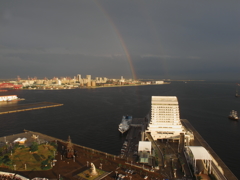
point(93, 87)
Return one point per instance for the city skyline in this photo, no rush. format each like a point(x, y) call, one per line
point(134, 39)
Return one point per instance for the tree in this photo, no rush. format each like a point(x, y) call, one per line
point(6, 160)
point(46, 163)
point(54, 144)
point(34, 147)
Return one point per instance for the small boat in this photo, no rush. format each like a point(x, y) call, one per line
point(125, 124)
point(237, 95)
point(233, 115)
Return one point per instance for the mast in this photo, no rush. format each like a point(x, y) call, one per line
point(237, 91)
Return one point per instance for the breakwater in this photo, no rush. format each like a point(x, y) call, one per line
point(28, 107)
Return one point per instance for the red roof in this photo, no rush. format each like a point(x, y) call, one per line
point(10, 85)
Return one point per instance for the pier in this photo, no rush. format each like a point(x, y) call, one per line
point(171, 163)
point(219, 167)
point(27, 107)
point(70, 168)
point(169, 156)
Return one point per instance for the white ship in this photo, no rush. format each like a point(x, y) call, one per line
point(125, 124)
point(10, 98)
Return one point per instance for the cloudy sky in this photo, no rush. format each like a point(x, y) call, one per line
point(154, 39)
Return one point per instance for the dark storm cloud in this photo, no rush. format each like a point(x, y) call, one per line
point(166, 39)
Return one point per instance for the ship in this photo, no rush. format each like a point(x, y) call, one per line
point(10, 98)
point(237, 95)
point(125, 124)
point(233, 115)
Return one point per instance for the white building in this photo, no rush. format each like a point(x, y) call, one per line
point(58, 82)
point(88, 77)
point(199, 158)
point(144, 151)
point(165, 120)
point(122, 80)
point(145, 146)
point(159, 82)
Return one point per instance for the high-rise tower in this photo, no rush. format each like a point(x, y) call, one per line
point(79, 77)
point(165, 120)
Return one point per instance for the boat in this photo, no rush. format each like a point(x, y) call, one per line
point(233, 115)
point(125, 124)
point(10, 98)
point(237, 95)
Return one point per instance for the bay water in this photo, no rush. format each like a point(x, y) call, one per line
point(91, 116)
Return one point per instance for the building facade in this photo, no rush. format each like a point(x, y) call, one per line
point(165, 120)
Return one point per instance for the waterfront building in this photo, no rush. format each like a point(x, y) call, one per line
point(200, 159)
point(165, 120)
point(105, 79)
point(88, 80)
point(159, 82)
point(88, 83)
point(79, 77)
point(122, 80)
point(93, 83)
point(59, 82)
point(81, 82)
point(88, 77)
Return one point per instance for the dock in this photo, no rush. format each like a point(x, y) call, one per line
point(27, 107)
point(69, 168)
point(220, 165)
point(169, 158)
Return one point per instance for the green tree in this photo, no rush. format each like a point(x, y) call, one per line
point(54, 144)
point(45, 165)
point(6, 160)
point(34, 147)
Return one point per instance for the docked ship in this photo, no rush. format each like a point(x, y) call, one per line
point(125, 124)
point(233, 115)
point(10, 98)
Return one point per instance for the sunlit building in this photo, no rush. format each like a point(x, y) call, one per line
point(79, 77)
point(165, 120)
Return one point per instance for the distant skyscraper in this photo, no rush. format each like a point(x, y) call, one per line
point(79, 77)
point(88, 77)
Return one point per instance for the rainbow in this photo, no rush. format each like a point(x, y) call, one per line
point(120, 39)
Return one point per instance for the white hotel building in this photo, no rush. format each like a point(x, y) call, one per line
point(165, 120)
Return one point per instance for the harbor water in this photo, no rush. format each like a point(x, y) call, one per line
point(91, 116)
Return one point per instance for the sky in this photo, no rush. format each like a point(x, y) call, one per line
point(139, 39)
